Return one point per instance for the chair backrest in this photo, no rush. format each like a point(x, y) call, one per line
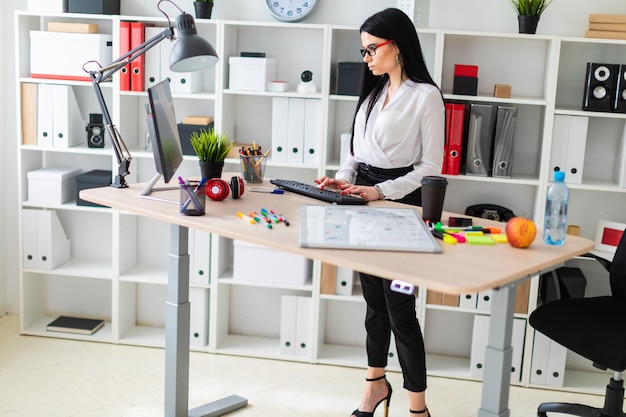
point(618, 270)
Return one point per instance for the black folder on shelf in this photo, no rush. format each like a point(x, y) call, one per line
point(480, 140)
point(79, 325)
point(504, 141)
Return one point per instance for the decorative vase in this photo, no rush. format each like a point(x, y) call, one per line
point(211, 169)
point(527, 24)
point(203, 9)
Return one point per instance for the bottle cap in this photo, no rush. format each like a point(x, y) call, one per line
point(559, 175)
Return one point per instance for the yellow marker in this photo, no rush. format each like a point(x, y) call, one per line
point(499, 238)
point(449, 239)
point(246, 218)
point(480, 240)
point(473, 233)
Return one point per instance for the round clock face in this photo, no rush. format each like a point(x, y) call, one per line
point(290, 10)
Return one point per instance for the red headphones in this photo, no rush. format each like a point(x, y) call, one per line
point(217, 189)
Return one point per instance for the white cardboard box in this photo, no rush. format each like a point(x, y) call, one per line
point(47, 6)
point(261, 264)
point(60, 55)
point(251, 74)
point(52, 185)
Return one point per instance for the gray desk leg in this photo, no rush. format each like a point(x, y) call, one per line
point(177, 312)
point(498, 355)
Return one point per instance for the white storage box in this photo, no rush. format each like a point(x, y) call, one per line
point(47, 6)
point(261, 264)
point(52, 185)
point(59, 55)
point(251, 74)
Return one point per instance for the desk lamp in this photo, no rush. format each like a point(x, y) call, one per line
point(190, 53)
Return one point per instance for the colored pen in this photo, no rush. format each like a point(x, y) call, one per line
point(269, 215)
point(445, 237)
point(246, 218)
point(267, 190)
point(484, 229)
point(284, 219)
point(258, 219)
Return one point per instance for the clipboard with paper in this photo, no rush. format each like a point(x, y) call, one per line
point(365, 228)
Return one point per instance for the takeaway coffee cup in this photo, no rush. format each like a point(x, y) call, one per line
point(433, 193)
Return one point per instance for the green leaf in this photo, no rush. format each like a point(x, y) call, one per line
point(210, 146)
point(530, 7)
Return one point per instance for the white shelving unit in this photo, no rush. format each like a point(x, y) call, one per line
point(118, 268)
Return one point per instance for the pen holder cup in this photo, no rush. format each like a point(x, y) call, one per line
point(192, 198)
point(253, 167)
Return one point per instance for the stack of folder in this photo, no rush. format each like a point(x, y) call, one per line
point(132, 34)
point(606, 26)
point(479, 139)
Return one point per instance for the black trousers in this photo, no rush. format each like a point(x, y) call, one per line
point(390, 311)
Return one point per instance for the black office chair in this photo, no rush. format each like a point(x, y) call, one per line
point(594, 328)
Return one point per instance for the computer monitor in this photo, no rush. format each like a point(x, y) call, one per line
point(165, 141)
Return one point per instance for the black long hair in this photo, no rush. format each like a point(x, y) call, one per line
point(393, 24)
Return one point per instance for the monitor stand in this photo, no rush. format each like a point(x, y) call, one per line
point(149, 188)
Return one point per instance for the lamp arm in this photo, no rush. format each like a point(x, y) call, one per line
point(122, 154)
point(106, 72)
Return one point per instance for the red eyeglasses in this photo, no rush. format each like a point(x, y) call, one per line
point(371, 49)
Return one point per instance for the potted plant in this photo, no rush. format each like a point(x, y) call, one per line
point(528, 13)
point(203, 8)
point(212, 148)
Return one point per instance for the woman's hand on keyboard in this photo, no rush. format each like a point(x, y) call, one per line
point(326, 182)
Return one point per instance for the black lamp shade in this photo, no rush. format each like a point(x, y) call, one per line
point(190, 52)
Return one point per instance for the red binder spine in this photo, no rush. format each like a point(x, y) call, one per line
point(457, 121)
point(137, 37)
point(446, 146)
point(124, 48)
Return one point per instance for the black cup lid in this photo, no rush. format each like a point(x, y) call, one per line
point(434, 180)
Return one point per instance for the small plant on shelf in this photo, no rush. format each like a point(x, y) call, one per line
point(530, 7)
point(203, 8)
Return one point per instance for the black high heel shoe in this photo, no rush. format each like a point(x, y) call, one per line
point(421, 411)
point(387, 400)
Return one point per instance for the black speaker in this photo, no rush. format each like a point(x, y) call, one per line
point(619, 102)
point(599, 87)
point(95, 131)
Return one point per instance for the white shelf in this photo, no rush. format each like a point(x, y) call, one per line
point(342, 355)
point(260, 347)
point(144, 336)
point(80, 268)
point(38, 328)
point(145, 274)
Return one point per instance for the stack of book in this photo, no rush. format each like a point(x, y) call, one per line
point(606, 26)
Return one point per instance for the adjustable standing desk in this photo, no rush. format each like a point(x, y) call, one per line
point(458, 269)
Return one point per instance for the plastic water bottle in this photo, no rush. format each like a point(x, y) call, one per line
point(557, 197)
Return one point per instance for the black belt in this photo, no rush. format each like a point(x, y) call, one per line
point(391, 172)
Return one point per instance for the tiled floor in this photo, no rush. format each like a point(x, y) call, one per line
point(63, 378)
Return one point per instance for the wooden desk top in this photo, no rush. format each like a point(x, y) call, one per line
point(459, 269)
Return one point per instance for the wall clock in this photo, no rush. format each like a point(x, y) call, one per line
point(290, 10)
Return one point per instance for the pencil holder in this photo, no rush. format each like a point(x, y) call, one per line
point(192, 198)
point(253, 167)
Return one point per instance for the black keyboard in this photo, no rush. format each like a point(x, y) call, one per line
point(314, 191)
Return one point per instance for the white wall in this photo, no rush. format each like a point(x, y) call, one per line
point(563, 17)
point(3, 174)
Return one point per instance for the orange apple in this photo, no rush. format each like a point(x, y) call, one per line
point(520, 232)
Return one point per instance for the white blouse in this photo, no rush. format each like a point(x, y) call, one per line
point(409, 130)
